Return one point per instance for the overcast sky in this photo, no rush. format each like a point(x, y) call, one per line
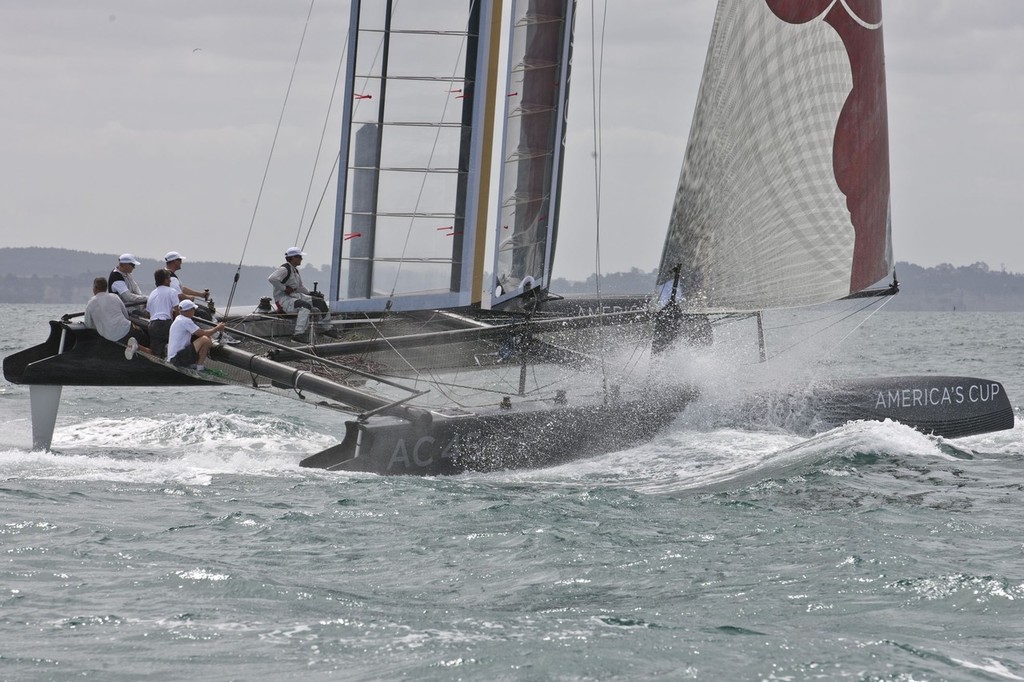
point(146, 126)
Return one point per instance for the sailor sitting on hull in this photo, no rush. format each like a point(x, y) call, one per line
point(105, 312)
point(160, 306)
point(121, 282)
point(189, 345)
point(293, 297)
point(173, 260)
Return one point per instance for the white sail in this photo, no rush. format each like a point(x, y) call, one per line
point(783, 198)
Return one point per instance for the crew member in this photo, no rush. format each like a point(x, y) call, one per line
point(173, 260)
point(122, 283)
point(160, 305)
point(293, 297)
point(105, 312)
point(189, 345)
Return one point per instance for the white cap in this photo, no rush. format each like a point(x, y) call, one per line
point(172, 255)
point(294, 251)
point(186, 305)
point(127, 258)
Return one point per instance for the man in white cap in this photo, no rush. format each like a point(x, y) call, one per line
point(173, 259)
point(121, 282)
point(188, 345)
point(293, 297)
point(173, 263)
point(160, 305)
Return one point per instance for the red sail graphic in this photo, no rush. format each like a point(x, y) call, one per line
point(860, 153)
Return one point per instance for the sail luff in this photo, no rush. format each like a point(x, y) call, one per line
point(489, 104)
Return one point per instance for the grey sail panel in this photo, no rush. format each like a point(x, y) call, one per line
point(783, 198)
point(534, 139)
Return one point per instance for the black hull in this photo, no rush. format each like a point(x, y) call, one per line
point(415, 442)
point(87, 359)
point(502, 440)
point(951, 407)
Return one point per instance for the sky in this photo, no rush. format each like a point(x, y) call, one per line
point(146, 127)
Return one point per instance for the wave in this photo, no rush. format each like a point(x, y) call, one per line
point(181, 448)
point(708, 449)
point(700, 461)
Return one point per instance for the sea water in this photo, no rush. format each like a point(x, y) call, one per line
point(171, 535)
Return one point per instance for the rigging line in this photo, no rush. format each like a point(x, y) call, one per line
point(597, 74)
point(430, 160)
point(441, 388)
point(885, 302)
point(319, 205)
point(827, 327)
point(508, 386)
point(270, 157)
point(632, 365)
point(384, 337)
point(807, 322)
point(319, 148)
point(337, 157)
point(391, 347)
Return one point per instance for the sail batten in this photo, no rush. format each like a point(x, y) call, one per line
point(783, 198)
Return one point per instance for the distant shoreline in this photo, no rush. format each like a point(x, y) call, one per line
point(64, 276)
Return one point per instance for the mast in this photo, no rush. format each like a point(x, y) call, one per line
point(343, 152)
point(421, 87)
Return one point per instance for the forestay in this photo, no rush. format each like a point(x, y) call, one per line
point(783, 198)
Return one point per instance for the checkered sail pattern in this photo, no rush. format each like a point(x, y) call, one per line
point(783, 198)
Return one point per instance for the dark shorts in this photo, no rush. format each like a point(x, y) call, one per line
point(159, 335)
point(186, 357)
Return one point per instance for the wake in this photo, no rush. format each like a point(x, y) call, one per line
point(176, 448)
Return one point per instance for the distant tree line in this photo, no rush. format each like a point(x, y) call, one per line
point(973, 287)
point(49, 275)
point(636, 281)
point(967, 288)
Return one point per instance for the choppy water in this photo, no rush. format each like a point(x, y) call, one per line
point(174, 537)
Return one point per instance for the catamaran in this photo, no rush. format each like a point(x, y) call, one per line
point(454, 353)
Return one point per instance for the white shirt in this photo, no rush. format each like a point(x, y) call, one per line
point(180, 335)
point(161, 302)
point(106, 314)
